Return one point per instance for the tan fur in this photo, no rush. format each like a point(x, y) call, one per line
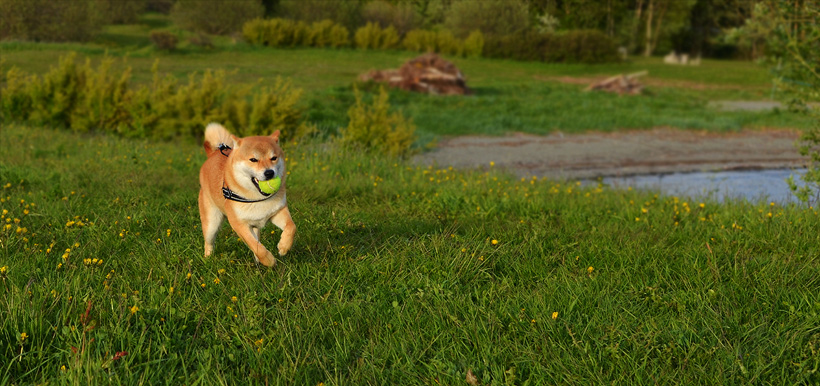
point(236, 171)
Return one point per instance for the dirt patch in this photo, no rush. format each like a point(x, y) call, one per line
point(591, 155)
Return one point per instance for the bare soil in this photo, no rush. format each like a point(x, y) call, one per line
point(592, 155)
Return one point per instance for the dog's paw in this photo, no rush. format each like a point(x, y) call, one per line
point(267, 260)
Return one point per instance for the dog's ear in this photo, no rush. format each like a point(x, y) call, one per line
point(275, 136)
point(236, 141)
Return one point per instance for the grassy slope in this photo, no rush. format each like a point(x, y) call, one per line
point(394, 278)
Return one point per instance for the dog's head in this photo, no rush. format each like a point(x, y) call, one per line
point(255, 159)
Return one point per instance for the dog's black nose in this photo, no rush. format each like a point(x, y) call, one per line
point(269, 173)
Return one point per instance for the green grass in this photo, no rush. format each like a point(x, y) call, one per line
point(394, 278)
point(509, 96)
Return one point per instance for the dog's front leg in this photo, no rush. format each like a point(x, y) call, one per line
point(283, 220)
point(246, 233)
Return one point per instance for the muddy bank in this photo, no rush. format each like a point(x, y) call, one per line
point(592, 155)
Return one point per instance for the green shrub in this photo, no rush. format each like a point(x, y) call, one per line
point(219, 17)
point(491, 17)
point(201, 40)
point(446, 43)
point(288, 33)
point(441, 41)
point(346, 13)
point(49, 20)
point(580, 46)
point(164, 40)
point(474, 44)
point(82, 98)
point(121, 12)
point(374, 128)
point(401, 15)
point(373, 37)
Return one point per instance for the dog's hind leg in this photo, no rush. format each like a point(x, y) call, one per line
point(283, 220)
point(211, 220)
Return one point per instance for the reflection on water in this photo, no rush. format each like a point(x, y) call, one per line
point(752, 185)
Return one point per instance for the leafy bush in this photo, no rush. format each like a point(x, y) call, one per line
point(164, 40)
point(581, 46)
point(219, 17)
point(83, 98)
point(474, 44)
point(343, 12)
point(201, 40)
point(491, 17)
point(374, 128)
point(373, 37)
point(48, 20)
point(121, 12)
point(288, 33)
point(401, 15)
point(442, 42)
point(327, 33)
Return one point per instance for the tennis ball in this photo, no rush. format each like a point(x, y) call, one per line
point(270, 186)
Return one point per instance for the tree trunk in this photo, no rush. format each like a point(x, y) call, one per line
point(662, 7)
point(648, 44)
point(633, 43)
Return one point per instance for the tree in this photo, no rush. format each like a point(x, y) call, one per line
point(795, 48)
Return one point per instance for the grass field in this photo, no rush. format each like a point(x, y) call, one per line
point(509, 96)
point(400, 275)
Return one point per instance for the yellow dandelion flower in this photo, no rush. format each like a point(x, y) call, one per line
point(216, 281)
point(3, 269)
point(494, 242)
point(590, 269)
point(202, 285)
point(555, 315)
point(23, 336)
point(234, 299)
point(134, 309)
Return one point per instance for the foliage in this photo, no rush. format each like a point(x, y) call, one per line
point(201, 40)
point(220, 17)
point(474, 44)
point(581, 46)
point(326, 33)
point(288, 33)
point(48, 20)
point(373, 37)
point(83, 98)
point(440, 41)
point(374, 128)
point(121, 12)
point(164, 40)
point(343, 12)
point(102, 278)
point(491, 17)
point(795, 45)
point(386, 14)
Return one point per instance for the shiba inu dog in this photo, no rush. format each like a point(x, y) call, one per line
point(230, 187)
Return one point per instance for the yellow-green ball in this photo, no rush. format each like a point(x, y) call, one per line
point(270, 186)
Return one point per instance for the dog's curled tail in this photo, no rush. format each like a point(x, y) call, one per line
point(215, 136)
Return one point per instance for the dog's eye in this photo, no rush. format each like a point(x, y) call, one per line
point(254, 160)
point(273, 158)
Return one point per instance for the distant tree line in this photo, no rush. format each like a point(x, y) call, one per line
point(714, 28)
